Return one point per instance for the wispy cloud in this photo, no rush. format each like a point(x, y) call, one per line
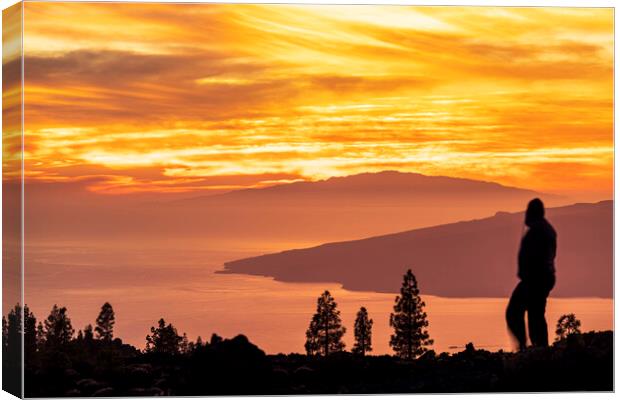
point(195, 92)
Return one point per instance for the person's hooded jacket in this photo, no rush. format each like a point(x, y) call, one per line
point(538, 246)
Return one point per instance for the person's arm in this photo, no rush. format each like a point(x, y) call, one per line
point(527, 254)
point(551, 251)
point(554, 245)
point(523, 258)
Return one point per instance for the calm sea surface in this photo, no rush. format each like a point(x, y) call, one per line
point(147, 283)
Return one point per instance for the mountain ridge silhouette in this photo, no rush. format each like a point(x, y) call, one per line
point(304, 212)
point(584, 263)
point(383, 179)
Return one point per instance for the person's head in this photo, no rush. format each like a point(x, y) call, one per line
point(535, 211)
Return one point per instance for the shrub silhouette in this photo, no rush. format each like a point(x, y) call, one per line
point(568, 324)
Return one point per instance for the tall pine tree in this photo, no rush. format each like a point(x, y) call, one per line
point(88, 333)
point(40, 335)
point(14, 338)
point(30, 333)
point(409, 321)
point(58, 329)
point(105, 323)
point(324, 335)
point(12, 357)
point(363, 333)
point(5, 334)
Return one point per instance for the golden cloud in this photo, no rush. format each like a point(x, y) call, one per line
point(514, 95)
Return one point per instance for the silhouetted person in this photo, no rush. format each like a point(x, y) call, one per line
point(537, 274)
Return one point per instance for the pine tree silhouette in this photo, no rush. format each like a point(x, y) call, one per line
point(186, 346)
point(30, 333)
point(14, 330)
point(40, 335)
point(58, 329)
point(409, 321)
point(105, 323)
point(163, 339)
point(324, 335)
point(12, 356)
point(5, 334)
point(88, 333)
point(363, 333)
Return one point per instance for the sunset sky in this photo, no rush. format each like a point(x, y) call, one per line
point(179, 98)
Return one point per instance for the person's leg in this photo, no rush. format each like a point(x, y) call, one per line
point(537, 325)
point(515, 315)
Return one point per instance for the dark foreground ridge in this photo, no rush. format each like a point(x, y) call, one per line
point(581, 362)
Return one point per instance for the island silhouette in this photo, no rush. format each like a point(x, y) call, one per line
point(476, 255)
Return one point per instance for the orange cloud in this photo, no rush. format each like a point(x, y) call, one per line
point(515, 95)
